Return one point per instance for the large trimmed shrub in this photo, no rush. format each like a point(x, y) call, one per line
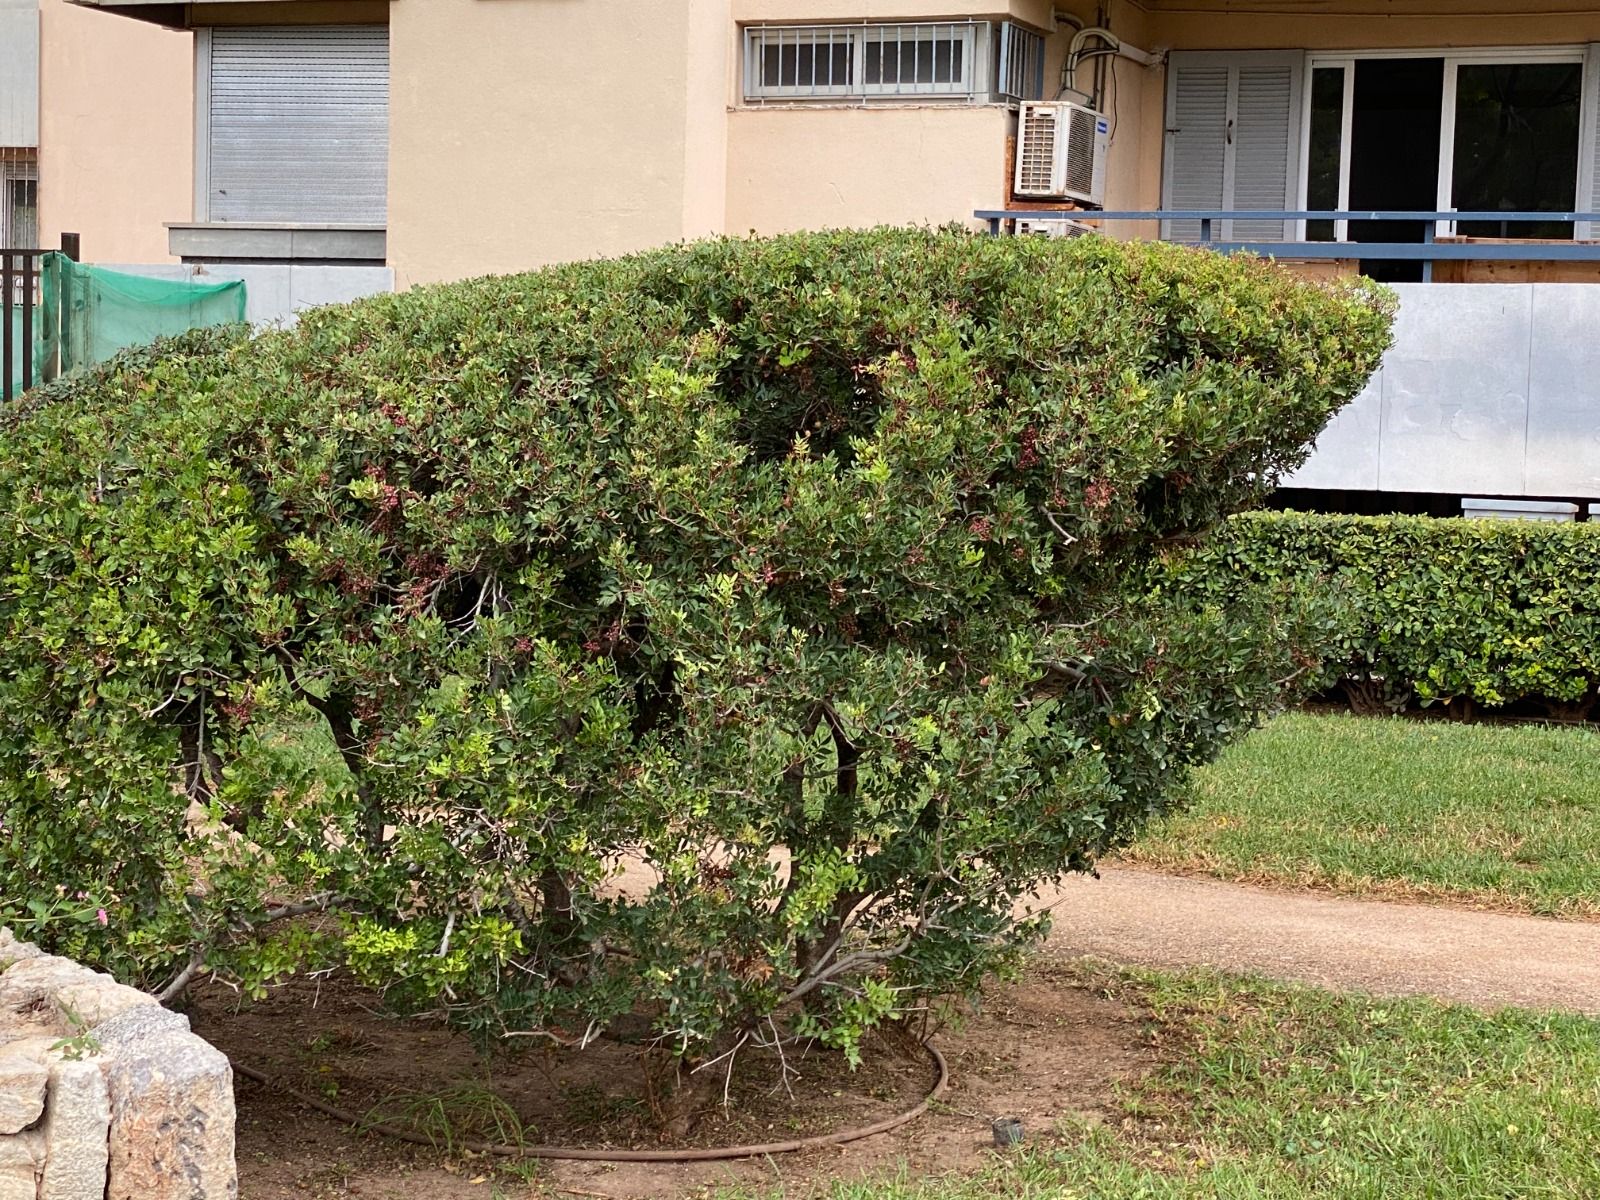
point(732, 632)
point(1495, 612)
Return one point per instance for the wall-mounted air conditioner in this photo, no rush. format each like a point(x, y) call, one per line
point(1061, 152)
point(1029, 227)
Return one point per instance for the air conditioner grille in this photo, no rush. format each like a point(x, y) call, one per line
point(1080, 151)
point(1037, 150)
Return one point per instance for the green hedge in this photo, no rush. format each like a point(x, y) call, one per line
point(1494, 612)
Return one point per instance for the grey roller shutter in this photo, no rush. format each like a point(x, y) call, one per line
point(19, 75)
point(1233, 138)
point(298, 125)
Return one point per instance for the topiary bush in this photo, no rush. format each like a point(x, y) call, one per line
point(1492, 612)
point(734, 635)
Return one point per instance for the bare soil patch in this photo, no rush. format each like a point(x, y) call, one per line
point(1041, 1049)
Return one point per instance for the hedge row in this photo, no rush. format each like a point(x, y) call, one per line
point(1434, 611)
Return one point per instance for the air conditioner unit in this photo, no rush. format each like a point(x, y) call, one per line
point(1053, 228)
point(1061, 152)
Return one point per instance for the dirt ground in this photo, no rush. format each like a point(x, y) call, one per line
point(1040, 1049)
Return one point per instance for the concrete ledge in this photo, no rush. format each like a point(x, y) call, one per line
point(104, 1094)
point(1525, 510)
point(264, 242)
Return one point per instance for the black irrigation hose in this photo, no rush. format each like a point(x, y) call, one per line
point(507, 1150)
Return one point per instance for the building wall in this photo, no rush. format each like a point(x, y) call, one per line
point(526, 132)
point(816, 164)
point(712, 47)
point(116, 132)
point(815, 168)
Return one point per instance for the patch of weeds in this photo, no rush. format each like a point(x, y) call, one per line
point(454, 1118)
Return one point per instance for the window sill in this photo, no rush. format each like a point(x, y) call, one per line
point(262, 241)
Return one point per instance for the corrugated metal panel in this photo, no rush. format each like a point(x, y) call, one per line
point(19, 75)
point(299, 124)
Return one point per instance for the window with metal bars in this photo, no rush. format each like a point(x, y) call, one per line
point(19, 202)
point(970, 60)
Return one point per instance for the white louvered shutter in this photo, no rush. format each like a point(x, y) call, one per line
point(1197, 132)
point(299, 125)
point(1233, 139)
point(1266, 145)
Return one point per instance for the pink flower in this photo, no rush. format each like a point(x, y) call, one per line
point(100, 915)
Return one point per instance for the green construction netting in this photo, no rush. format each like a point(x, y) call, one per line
point(87, 314)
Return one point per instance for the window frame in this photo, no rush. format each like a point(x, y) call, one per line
point(1454, 58)
point(979, 82)
point(203, 135)
point(14, 171)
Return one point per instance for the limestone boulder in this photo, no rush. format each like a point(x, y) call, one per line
point(23, 1084)
point(76, 1132)
point(172, 1113)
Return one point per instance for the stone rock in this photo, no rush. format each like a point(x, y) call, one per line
point(89, 1005)
point(23, 1082)
point(19, 1183)
point(39, 1047)
point(13, 951)
point(172, 1114)
point(76, 1132)
point(23, 1150)
point(21, 1158)
point(28, 989)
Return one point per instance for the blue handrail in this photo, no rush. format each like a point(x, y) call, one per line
point(1427, 251)
point(1273, 214)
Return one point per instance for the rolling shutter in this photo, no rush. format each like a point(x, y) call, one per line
point(1233, 139)
point(298, 125)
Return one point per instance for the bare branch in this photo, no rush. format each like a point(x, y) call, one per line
point(182, 980)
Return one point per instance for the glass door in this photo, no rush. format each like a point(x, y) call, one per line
point(1515, 144)
point(1478, 131)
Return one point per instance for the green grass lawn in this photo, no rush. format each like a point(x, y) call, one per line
point(1499, 815)
point(1272, 1092)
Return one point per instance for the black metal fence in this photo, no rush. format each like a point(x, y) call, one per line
point(20, 293)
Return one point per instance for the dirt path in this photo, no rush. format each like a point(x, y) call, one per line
point(1479, 958)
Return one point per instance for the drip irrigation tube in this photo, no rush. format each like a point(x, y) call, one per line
point(507, 1150)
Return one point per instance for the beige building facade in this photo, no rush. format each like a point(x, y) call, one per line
point(521, 132)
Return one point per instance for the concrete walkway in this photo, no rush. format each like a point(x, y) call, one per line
point(1480, 958)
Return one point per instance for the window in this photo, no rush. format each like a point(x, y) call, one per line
point(1516, 144)
point(19, 203)
point(935, 59)
point(293, 125)
point(1509, 129)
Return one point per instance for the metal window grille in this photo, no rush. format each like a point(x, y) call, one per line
point(19, 209)
point(871, 61)
point(1021, 72)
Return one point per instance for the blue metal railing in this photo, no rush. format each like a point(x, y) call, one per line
point(1427, 251)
